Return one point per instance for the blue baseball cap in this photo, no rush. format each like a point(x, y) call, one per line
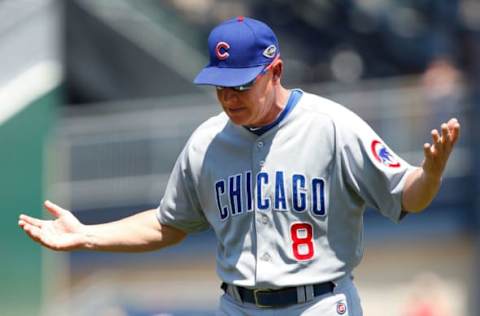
point(240, 49)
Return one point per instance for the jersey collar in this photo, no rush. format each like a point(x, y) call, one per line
point(293, 99)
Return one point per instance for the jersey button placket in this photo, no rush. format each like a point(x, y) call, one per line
point(262, 217)
point(266, 257)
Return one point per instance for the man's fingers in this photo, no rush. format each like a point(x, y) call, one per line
point(32, 231)
point(445, 133)
point(447, 136)
point(53, 208)
point(36, 235)
point(454, 128)
point(427, 150)
point(437, 153)
point(435, 136)
point(452, 122)
point(436, 139)
point(31, 220)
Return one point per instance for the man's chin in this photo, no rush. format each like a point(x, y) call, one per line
point(238, 119)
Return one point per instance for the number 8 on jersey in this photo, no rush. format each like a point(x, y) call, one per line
point(302, 237)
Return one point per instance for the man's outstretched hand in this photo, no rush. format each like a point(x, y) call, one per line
point(62, 233)
point(423, 184)
point(437, 153)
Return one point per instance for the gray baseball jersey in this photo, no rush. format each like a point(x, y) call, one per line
point(286, 206)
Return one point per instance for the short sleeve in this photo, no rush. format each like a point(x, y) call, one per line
point(180, 205)
point(370, 168)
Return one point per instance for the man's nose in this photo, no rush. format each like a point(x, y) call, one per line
point(229, 96)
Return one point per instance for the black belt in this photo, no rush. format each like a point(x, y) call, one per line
point(281, 297)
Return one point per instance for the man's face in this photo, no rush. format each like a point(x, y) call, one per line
point(252, 107)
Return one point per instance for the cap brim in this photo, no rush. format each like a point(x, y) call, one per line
point(227, 77)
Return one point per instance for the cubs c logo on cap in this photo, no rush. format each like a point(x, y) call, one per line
point(383, 155)
point(221, 50)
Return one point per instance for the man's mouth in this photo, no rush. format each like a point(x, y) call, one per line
point(236, 110)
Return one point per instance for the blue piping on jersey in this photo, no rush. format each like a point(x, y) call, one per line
point(292, 101)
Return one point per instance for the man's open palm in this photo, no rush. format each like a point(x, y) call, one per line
point(63, 233)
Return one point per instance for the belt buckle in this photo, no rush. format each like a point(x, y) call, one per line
point(255, 298)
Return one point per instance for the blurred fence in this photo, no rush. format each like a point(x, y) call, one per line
point(121, 153)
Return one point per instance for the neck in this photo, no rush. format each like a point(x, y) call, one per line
point(282, 98)
point(278, 104)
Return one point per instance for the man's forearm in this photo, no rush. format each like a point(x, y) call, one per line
point(137, 233)
point(419, 190)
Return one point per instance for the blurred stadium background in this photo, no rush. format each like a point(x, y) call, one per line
point(97, 101)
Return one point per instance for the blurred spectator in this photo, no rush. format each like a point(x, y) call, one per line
point(428, 297)
point(442, 87)
point(381, 38)
point(339, 40)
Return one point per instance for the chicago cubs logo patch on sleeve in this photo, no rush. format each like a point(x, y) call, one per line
point(383, 155)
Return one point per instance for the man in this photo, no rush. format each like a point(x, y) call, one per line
point(281, 176)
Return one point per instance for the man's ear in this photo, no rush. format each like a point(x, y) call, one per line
point(277, 70)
